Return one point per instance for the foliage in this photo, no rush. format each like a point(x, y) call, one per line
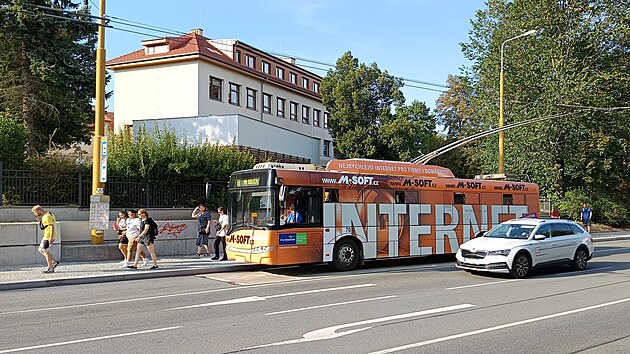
point(47, 71)
point(160, 155)
point(360, 99)
point(12, 141)
point(575, 69)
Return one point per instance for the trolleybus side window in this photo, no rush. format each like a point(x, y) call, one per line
point(307, 202)
point(331, 196)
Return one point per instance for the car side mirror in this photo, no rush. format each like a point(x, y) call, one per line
point(480, 234)
point(539, 237)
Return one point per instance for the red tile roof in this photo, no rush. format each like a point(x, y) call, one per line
point(195, 44)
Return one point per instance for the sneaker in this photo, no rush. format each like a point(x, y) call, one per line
point(125, 264)
point(48, 270)
point(144, 262)
point(122, 262)
point(154, 267)
point(55, 264)
point(214, 258)
point(132, 267)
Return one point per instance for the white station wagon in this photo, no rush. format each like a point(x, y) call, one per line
point(516, 246)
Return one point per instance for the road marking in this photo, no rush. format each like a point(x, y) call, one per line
point(496, 328)
point(330, 305)
point(597, 253)
point(331, 332)
point(482, 284)
point(263, 298)
point(319, 278)
point(87, 340)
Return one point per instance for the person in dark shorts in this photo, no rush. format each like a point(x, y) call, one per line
point(48, 225)
point(203, 217)
point(120, 226)
point(146, 239)
point(224, 229)
point(587, 214)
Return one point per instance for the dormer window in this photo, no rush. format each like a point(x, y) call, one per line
point(250, 61)
point(159, 49)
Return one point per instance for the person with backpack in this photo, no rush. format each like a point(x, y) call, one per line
point(146, 239)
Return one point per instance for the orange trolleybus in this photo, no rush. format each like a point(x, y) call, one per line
point(356, 210)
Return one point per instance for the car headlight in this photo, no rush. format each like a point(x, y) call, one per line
point(499, 253)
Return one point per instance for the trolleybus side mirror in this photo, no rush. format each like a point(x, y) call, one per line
point(283, 192)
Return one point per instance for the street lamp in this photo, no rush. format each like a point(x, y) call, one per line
point(501, 120)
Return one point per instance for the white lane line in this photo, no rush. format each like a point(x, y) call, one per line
point(87, 340)
point(320, 278)
point(263, 298)
point(597, 253)
point(482, 284)
point(330, 305)
point(496, 328)
point(331, 332)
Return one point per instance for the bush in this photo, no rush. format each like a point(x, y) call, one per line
point(160, 155)
point(13, 139)
point(606, 210)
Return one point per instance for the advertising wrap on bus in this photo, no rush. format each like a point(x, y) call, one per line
point(347, 217)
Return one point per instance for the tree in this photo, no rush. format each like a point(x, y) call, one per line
point(47, 71)
point(575, 69)
point(12, 141)
point(368, 116)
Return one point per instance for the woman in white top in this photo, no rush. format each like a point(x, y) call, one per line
point(224, 228)
point(120, 226)
point(134, 225)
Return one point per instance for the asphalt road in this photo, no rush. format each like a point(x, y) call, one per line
point(410, 306)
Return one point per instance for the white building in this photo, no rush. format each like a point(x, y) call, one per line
point(224, 91)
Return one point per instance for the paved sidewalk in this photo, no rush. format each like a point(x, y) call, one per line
point(72, 273)
point(31, 276)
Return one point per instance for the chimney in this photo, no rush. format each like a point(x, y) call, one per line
point(289, 60)
point(198, 31)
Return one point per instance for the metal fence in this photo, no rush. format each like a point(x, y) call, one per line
point(27, 187)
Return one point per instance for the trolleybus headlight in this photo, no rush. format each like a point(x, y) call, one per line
point(262, 249)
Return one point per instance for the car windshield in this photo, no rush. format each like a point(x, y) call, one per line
point(516, 231)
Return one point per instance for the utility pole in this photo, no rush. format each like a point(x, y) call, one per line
point(99, 141)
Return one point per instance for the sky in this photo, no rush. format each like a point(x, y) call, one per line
point(414, 39)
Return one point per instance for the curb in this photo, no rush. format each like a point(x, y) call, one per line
point(140, 275)
point(611, 238)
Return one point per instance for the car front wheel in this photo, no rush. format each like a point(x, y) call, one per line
point(521, 266)
point(580, 260)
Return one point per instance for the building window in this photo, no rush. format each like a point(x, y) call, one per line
point(265, 67)
point(316, 87)
point(316, 114)
point(250, 61)
point(293, 110)
point(216, 89)
point(305, 83)
point(280, 107)
point(237, 56)
point(306, 112)
point(293, 78)
point(327, 148)
point(325, 120)
point(280, 73)
point(235, 94)
point(251, 98)
point(266, 103)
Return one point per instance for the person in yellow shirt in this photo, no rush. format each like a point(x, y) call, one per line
point(47, 223)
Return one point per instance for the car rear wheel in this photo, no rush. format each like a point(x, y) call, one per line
point(521, 266)
point(581, 259)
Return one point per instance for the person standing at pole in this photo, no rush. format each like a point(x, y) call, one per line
point(47, 223)
point(134, 228)
point(224, 228)
point(587, 214)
